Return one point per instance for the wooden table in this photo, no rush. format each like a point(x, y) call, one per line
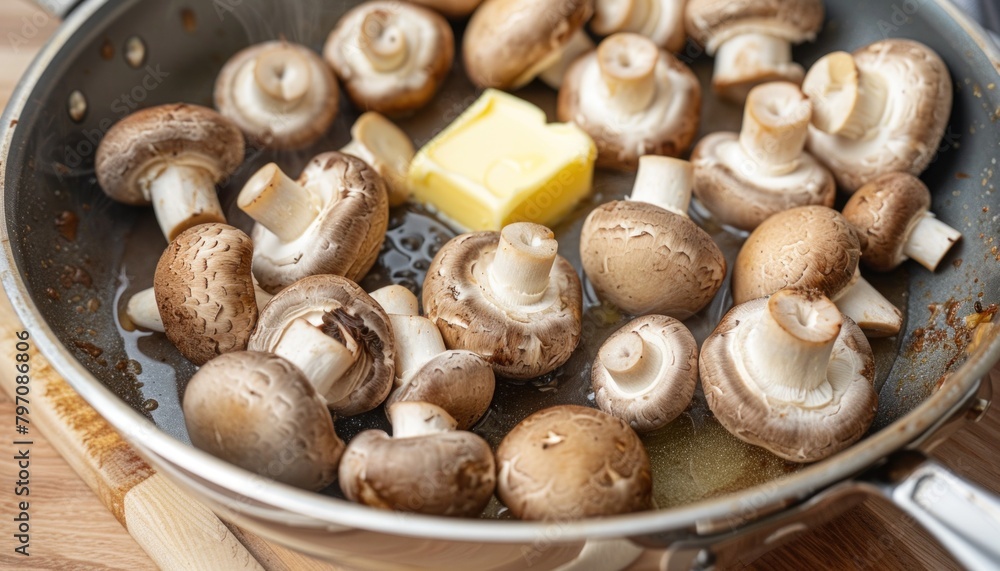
point(71, 528)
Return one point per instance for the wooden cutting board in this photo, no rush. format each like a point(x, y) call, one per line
point(95, 504)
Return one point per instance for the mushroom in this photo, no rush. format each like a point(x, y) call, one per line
point(170, 156)
point(282, 95)
point(634, 99)
point(743, 179)
point(337, 334)
point(813, 247)
point(790, 374)
point(644, 254)
point(570, 462)
point(204, 291)
point(143, 313)
point(659, 20)
point(392, 56)
point(882, 109)
point(450, 8)
point(460, 382)
point(508, 43)
point(426, 466)
point(751, 41)
point(331, 221)
point(892, 212)
point(508, 297)
point(257, 411)
point(646, 372)
point(387, 149)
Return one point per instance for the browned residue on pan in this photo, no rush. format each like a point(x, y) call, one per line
point(189, 20)
point(67, 223)
point(107, 50)
point(73, 275)
point(958, 335)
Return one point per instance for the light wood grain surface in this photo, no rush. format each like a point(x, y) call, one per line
point(72, 529)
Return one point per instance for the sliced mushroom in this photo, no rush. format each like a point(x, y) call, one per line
point(508, 297)
point(257, 411)
point(387, 149)
point(659, 20)
point(204, 291)
point(143, 313)
point(644, 254)
point(508, 43)
point(882, 109)
point(282, 95)
point(751, 41)
point(426, 466)
point(790, 374)
point(392, 56)
point(634, 99)
point(646, 372)
point(570, 462)
point(743, 179)
point(813, 247)
point(170, 156)
point(450, 8)
point(331, 221)
point(335, 332)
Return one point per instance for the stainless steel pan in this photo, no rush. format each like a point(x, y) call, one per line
point(71, 256)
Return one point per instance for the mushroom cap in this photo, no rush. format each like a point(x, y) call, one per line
point(177, 133)
point(450, 8)
point(291, 126)
point(661, 20)
point(796, 433)
point(712, 22)
point(460, 382)
point(886, 211)
point(346, 236)
point(430, 48)
point(341, 309)
point(646, 259)
point(507, 42)
point(744, 199)
point(664, 396)
point(258, 411)
point(811, 247)
point(520, 344)
point(571, 462)
point(910, 130)
point(204, 291)
point(666, 127)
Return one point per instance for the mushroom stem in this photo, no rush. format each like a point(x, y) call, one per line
point(382, 42)
point(396, 300)
point(628, 65)
point(846, 102)
point(418, 341)
point(744, 57)
point(873, 313)
point(579, 44)
point(632, 361)
point(929, 241)
point(260, 296)
point(665, 182)
point(183, 196)
point(519, 274)
point(143, 312)
point(775, 126)
point(322, 359)
point(278, 203)
point(281, 75)
point(411, 419)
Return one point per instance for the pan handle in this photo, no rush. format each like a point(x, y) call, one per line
point(964, 517)
point(58, 8)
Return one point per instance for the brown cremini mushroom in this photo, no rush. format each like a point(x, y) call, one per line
point(450, 8)
point(426, 466)
point(391, 56)
point(282, 95)
point(745, 178)
point(571, 462)
point(644, 254)
point(659, 20)
point(331, 221)
point(257, 411)
point(204, 291)
point(892, 211)
point(881, 109)
point(633, 99)
point(790, 374)
point(508, 297)
point(330, 328)
point(387, 149)
point(142, 312)
point(170, 156)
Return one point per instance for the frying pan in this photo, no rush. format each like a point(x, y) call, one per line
point(71, 257)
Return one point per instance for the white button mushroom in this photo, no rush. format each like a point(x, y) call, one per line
point(790, 374)
point(450, 8)
point(644, 254)
point(633, 99)
point(170, 156)
point(745, 178)
point(257, 411)
point(882, 109)
point(387, 149)
point(391, 56)
point(659, 20)
point(331, 221)
point(508, 297)
point(426, 466)
point(892, 211)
